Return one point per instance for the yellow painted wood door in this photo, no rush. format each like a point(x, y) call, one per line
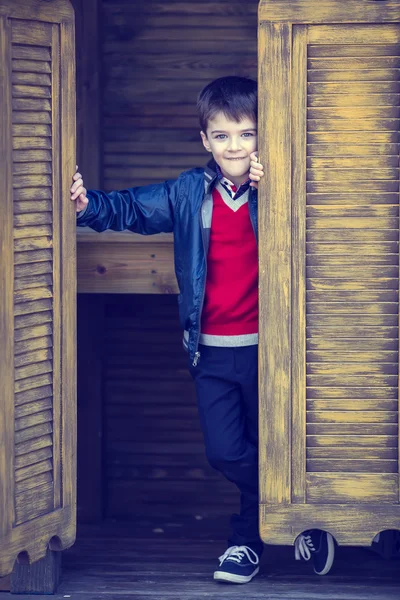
point(37, 280)
point(329, 279)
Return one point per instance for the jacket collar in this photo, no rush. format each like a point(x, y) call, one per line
point(210, 175)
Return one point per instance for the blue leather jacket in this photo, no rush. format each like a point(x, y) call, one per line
point(182, 206)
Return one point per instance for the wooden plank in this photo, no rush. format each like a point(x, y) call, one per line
point(45, 441)
point(34, 369)
point(32, 306)
point(298, 373)
point(347, 101)
point(275, 256)
point(356, 74)
point(31, 66)
point(354, 248)
point(39, 33)
point(349, 524)
point(35, 331)
point(372, 429)
point(34, 502)
point(352, 355)
point(31, 78)
point(33, 243)
point(39, 468)
point(25, 283)
point(32, 193)
point(361, 453)
point(353, 392)
point(388, 34)
point(331, 11)
point(358, 345)
point(325, 308)
point(33, 395)
point(352, 380)
point(380, 405)
point(32, 458)
point(332, 465)
point(33, 432)
point(30, 408)
point(31, 117)
point(32, 382)
point(64, 134)
point(32, 168)
point(352, 416)
point(349, 441)
point(42, 577)
point(369, 50)
point(6, 290)
point(41, 355)
point(33, 344)
point(331, 62)
point(353, 487)
point(25, 51)
point(126, 268)
point(30, 207)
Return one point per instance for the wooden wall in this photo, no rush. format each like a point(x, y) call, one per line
point(156, 56)
point(136, 392)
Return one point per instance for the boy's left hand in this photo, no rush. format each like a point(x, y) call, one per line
point(256, 170)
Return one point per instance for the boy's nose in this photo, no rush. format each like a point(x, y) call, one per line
point(234, 145)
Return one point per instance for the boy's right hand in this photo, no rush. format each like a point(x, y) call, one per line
point(78, 192)
point(256, 170)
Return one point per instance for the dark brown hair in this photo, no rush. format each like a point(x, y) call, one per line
point(235, 96)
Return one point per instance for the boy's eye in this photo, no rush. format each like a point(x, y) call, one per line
point(248, 134)
point(220, 136)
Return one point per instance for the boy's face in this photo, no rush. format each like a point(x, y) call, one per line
point(231, 144)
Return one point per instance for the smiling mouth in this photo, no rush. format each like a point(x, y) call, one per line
point(237, 158)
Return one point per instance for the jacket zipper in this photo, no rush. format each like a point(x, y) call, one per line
point(197, 353)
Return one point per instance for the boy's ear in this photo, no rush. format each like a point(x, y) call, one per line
point(205, 141)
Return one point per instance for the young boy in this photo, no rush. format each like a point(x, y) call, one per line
point(213, 215)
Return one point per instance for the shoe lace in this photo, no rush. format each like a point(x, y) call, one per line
point(236, 553)
point(303, 547)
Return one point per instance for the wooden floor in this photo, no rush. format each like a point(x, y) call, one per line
point(175, 560)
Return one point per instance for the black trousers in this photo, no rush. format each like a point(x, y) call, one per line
point(226, 381)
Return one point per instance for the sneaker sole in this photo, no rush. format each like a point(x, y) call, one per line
point(331, 553)
point(232, 578)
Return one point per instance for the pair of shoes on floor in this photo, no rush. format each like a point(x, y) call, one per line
point(318, 545)
point(239, 564)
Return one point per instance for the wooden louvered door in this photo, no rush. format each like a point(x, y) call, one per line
point(37, 280)
point(329, 299)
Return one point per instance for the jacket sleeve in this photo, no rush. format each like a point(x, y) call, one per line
point(146, 210)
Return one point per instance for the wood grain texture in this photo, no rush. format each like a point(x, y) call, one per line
point(41, 342)
point(298, 300)
point(7, 514)
point(343, 199)
point(129, 265)
point(153, 449)
point(153, 71)
point(275, 263)
point(328, 11)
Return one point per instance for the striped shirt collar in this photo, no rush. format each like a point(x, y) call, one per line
point(213, 173)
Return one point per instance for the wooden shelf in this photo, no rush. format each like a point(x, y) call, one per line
point(122, 262)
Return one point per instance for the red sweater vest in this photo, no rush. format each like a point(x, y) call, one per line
point(231, 296)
